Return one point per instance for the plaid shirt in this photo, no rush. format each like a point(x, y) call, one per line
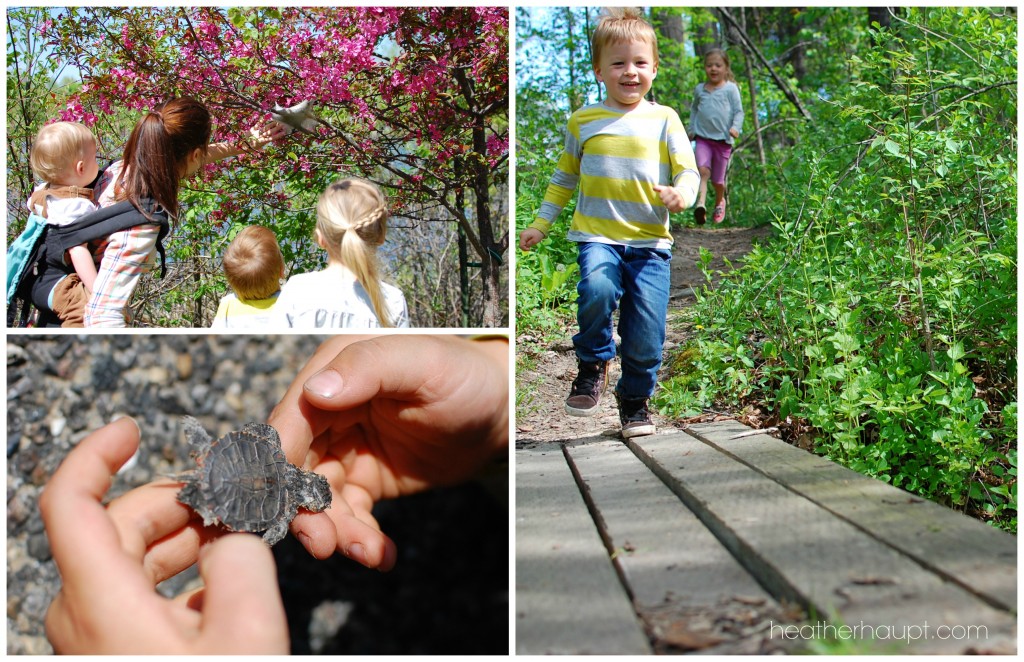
point(128, 255)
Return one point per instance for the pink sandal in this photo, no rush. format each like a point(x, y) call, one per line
point(719, 212)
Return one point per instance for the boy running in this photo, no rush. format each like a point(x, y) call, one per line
point(634, 166)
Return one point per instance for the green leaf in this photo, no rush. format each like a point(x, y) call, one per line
point(956, 352)
point(893, 148)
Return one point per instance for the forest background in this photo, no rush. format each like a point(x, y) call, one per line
point(878, 326)
point(414, 99)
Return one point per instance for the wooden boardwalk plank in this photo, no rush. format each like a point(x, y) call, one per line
point(665, 552)
point(802, 552)
point(980, 558)
point(685, 585)
point(568, 597)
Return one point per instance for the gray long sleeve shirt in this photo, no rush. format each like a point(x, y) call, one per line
point(714, 112)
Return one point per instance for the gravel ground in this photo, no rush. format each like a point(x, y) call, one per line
point(448, 593)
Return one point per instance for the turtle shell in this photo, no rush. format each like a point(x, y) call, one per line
point(244, 481)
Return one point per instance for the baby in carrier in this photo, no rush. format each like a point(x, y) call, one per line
point(64, 157)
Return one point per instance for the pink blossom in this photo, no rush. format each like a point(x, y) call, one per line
point(383, 77)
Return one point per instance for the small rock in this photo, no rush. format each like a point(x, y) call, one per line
point(57, 426)
point(105, 376)
point(35, 605)
point(263, 364)
point(223, 410)
point(233, 396)
point(39, 547)
point(16, 355)
point(13, 441)
point(35, 523)
point(184, 366)
point(66, 366)
point(18, 509)
point(25, 460)
point(35, 646)
point(19, 388)
point(13, 605)
point(81, 379)
point(41, 473)
point(156, 375)
point(126, 353)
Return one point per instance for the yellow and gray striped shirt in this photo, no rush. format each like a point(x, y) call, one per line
point(617, 158)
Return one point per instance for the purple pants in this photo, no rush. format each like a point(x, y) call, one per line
point(713, 155)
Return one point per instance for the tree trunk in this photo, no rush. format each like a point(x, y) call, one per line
point(460, 202)
point(749, 71)
point(880, 15)
point(797, 53)
point(482, 236)
point(490, 260)
point(706, 35)
point(670, 24)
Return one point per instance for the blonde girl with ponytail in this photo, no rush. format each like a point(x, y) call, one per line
point(352, 223)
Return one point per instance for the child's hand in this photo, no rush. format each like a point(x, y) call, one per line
point(529, 238)
point(390, 416)
point(110, 560)
point(671, 198)
point(734, 133)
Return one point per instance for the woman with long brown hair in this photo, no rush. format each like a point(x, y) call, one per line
point(168, 144)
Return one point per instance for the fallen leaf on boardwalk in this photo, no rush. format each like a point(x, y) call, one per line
point(679, 636)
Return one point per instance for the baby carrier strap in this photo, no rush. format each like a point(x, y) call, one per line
point(38, 198)
point(94, 226)
point(106, 221)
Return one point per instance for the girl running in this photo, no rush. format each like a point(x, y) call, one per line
point(716, 118)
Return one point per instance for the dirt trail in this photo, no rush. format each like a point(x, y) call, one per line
point(540, 416)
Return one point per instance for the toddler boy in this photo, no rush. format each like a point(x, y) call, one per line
point(254, 266)
point(634, 165)
point(64, 157)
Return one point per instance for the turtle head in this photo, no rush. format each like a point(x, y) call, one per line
point(314, 492)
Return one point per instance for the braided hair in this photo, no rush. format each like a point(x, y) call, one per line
point(352, 218)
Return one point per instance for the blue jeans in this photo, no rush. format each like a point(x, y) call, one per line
point(637, 281)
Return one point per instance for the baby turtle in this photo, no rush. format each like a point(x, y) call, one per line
point(245, 483)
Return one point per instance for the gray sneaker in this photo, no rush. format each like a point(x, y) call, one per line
point(590, 383)
point(635, 418)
